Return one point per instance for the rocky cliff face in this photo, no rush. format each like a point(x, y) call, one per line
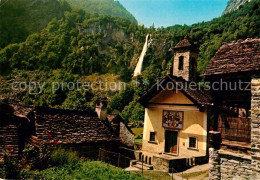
point(234, 5)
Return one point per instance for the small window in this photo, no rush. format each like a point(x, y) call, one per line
point(193, 142)
point(152, 136)
point(181, 63)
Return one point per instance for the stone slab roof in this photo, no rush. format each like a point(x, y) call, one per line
point(183, 44)
point(235, 56)
point(67, 126)
point(199, 97)
point(114, 118)
point(22, 110)
point(117, 119)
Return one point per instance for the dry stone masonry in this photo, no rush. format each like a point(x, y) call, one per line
point(255, 126)
point(214, 164)
point(185, 54)
point(126, 136)
point(234, 166)
point(9, 138)
point(228, 165)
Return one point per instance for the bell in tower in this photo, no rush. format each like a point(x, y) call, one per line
point(185, 60)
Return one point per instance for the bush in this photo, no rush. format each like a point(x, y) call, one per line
point(61, 164)
point(61, 157)
point(29, 174)
point(133, 113)
point(139, 136)
point(87, 170)
point(36, 158)
point(11, 168)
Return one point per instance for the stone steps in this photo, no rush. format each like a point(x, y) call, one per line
point(138, 164)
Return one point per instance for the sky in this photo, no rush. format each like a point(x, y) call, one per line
point(170, 12)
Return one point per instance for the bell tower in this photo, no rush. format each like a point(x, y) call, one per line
point(185, 60)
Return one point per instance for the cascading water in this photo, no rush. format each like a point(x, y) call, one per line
point(139, 65)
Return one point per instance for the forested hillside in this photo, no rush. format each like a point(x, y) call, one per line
point(20, 18)
point(82, 43)
point(79, 44)
point(103, 7)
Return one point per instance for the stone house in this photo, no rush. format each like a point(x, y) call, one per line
point(116, 122)
point(15, 126)
point(121, 130)
point(175, 131)
point(235, 139)
point(79, 130)
point(83, 131)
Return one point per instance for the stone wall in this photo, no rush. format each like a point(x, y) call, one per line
point(186, 64)
point(227, 165)
point(214, 164)
point(193, 66)
point(126, 136)
point(9, 139)
point(234, 166)
point(188, 73)
point(255, 126)
point(161, 164)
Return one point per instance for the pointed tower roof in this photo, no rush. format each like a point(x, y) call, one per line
point(183, 43)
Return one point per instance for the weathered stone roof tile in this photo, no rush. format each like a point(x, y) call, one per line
point(235, 56)
point(69, 126)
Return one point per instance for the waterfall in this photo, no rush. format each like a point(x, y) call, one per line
point(139, 65)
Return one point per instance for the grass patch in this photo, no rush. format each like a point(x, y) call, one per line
point(138, 135)
point(64, 164)
point(139, 141)
point(154, 175)
point(137, 131)
point(84, 170)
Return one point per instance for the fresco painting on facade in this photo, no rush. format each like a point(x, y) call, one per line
point(172, 119)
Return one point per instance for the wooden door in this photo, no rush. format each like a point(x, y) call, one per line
point(171, 142)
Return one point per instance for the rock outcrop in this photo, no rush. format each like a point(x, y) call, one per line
point(234, 5)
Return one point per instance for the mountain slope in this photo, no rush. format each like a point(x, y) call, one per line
point(104, 7)
point(84, 43)
point(234, 5)
point(19, 18)
point(81, 44)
